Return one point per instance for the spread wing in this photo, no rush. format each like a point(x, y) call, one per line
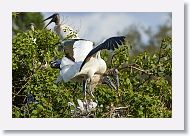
point(109, 44)
point(76, 49)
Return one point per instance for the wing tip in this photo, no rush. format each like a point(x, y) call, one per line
point(123, 37)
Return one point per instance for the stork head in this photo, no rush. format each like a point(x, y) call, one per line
point(54, 18)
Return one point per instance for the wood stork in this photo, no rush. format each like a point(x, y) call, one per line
point(94, 64)
point(62, 30)
point(76, 50)
point(93, 68)
point(70, 65)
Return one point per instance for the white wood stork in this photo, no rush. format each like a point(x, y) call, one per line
point(62, 30)
point(94, 64)
point(76, 50)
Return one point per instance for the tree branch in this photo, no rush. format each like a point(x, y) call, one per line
point(133, 66)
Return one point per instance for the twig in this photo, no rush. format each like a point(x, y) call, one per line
point(29, 78)
point(159, 57)
point(119, 108)
point(16, 94)
point(136, 68)
point(113, 110)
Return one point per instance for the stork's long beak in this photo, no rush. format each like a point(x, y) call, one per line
point(49, 23)
point(107, 80)
point(52, 20)
point(116, 78)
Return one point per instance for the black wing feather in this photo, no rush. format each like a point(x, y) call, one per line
point(115, 44)
point(109, 44)
point(119, 42)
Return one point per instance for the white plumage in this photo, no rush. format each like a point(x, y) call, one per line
point(77, 49)
point(69, 68)
point(70, 64)
point(65, 32)
point(95, 65)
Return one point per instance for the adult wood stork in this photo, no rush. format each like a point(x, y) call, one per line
point(76, 50)
point(94, 64)
point(62, 30)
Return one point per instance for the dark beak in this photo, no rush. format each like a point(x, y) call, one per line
point(55, 64)
point(107, 80)
point(116, 78)
point(52, 20)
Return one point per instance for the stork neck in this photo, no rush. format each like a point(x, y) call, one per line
point(65, 32)
point(57, 21)
point(98, 55)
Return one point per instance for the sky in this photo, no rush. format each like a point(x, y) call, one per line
point(96, 26)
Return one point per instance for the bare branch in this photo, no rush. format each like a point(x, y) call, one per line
point(29, 78)
point(134, 66)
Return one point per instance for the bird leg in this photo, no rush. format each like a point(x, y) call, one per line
point(84, 82)
point(90, 87)
point(91, 90)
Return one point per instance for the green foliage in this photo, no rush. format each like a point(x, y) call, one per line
point(145, 85)
point(145, 81)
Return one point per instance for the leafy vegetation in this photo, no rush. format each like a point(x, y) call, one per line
point(145, 81)
point(22, 20)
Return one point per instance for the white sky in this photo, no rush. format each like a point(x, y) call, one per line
point(96, 26)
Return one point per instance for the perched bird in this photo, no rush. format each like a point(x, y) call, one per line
point(92, 69)
point(30, 29)
point(62, 30)
point(94, 64)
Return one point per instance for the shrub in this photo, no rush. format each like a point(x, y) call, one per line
point(145, 82)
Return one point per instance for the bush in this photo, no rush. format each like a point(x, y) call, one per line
point(145, 82)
